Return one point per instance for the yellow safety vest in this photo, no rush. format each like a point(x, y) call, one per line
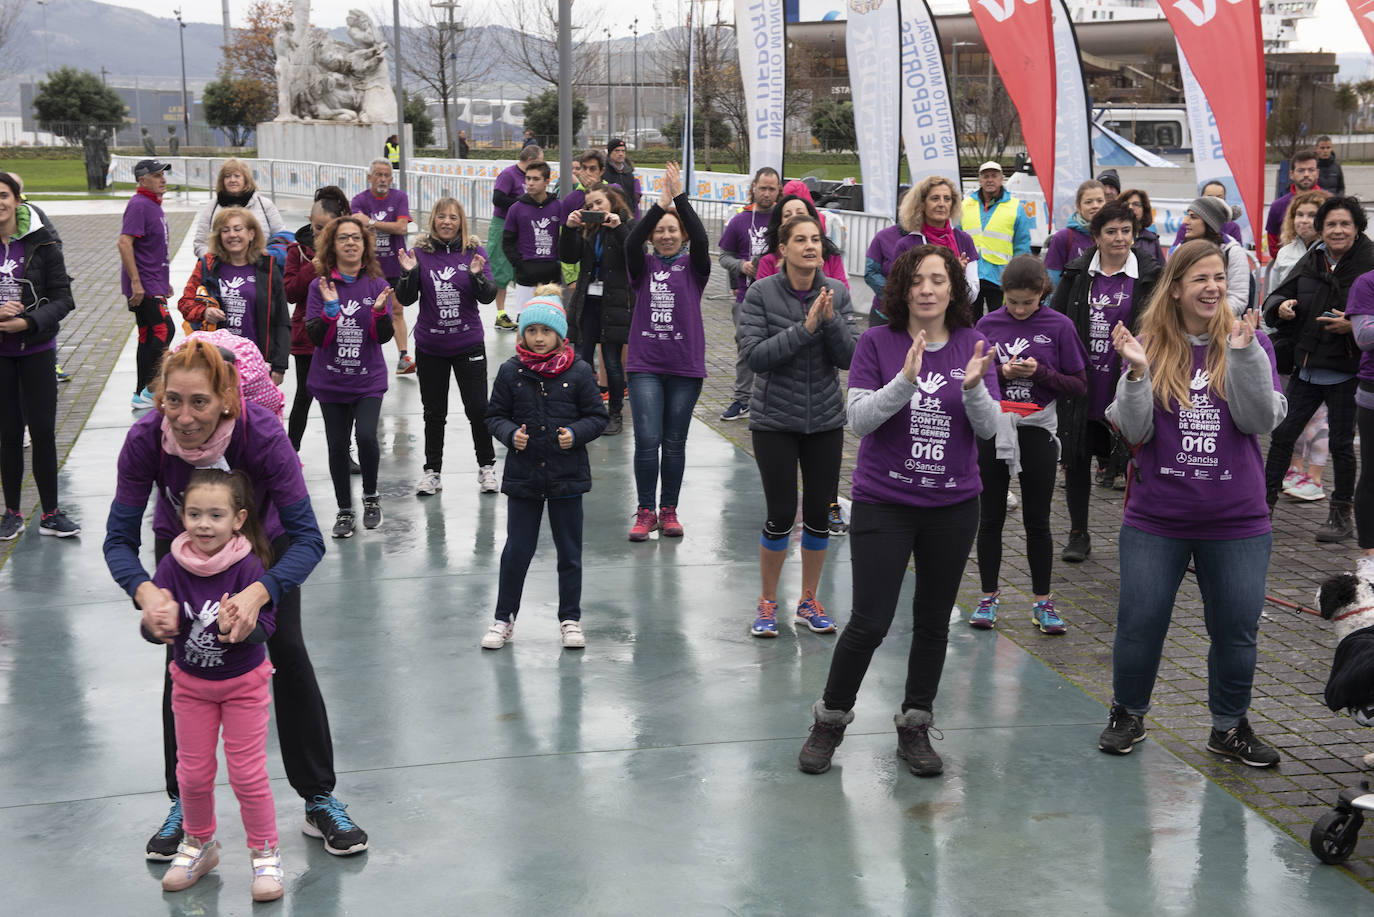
point(994, 239)
point(393, 153)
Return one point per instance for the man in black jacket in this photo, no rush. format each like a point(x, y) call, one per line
point(1329, 174)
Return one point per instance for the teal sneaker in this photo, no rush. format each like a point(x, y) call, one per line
point(985, 615)
point(1045, 618)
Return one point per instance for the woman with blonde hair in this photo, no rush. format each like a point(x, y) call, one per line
point(926, 216)
point(448, 274)
point(236, 286)
point(1200, 390)
point(235, 187)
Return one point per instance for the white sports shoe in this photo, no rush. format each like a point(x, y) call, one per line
point(1307, 489)
point(573, 638)
point(1012, 500)
point(429, 483)
point(486, 479)
point(498, 635)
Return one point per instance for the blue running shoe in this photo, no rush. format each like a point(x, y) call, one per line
point(810, 613)
point(325, 818)
point(1045, 618)
point(766, 624)
point(985, 615)
point(163, 845)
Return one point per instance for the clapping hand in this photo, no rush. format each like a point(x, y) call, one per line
point(381, 306)
point(327, 290)
point(406, 259)
point(821, 311)
point(672, 185)
point(478, 263)
point(1130, 349)
point(978, 364)
point(912, 367)
point(1243, 330)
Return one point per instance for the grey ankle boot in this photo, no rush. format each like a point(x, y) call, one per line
point(913, 742)
point(1339, 525)
point(826, 735)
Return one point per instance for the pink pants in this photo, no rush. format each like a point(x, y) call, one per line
point(199, 706)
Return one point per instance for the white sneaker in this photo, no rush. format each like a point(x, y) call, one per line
point(1307, 489)
point(1292, 478)
point(429, 483)
point(573, 638)
point(267, 874)
point(498, 635)
point(1012, 500)
point(486, 479)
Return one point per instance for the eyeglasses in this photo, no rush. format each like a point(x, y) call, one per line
point(348, 237)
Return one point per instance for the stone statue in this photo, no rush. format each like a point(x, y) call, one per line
point(321, 79)
point(173, 141)
point(97, 158)
point(148, 145)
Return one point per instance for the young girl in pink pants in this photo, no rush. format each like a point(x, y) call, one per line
point(220, 673)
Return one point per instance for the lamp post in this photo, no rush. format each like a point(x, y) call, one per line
point(610, 100)
point(400, 94)
point(185, 106)
point(454, 29)
point(47, 65)
point(634, 130)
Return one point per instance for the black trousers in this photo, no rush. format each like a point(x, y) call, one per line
point(307, 749)
point(778, 455)
point(1078, 476)
point(882, 539)
point(1303, 400)
point(989, 299)
point(522, 535)
point(469, 368)
point(1364, 490)
point(610, 353)
point(340, 421)
point(155, 331)
point(300, 404)
point(28, 395)
point(1038, 467)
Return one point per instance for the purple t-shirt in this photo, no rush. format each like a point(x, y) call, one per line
point(536, 228)
point(349, 365)
point(259, 446)
point(1064, 246)
point(512, 181)
point(238, 298)
point(926, 453)
point(11, 270)
point(448, 322)
point(745, 237)
point(1109, 302)
point(666, 332)
point(883, 248)
point(196, 649)
point(1273, 224)
point(1048, 337)
point(1200, 477)
point(1360, 301)
point(145, 221)
point(385, 210)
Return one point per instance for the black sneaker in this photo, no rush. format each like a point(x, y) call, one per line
point(1239, 744)
point(11, 525)
point(163, 845)
point(343, 524)
point(913, 743)
point(325, 818)
point(738, 410)
point(1079, 547)
point(372, 512)
point(826, 735)
point(1123, 731)
point(55, 523)
point(615, 426)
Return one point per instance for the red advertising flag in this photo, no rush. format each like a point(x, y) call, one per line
point(1225, 49)
point(1020, 38)
point(1364, 15)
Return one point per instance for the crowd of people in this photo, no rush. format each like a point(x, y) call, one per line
point(981, 363)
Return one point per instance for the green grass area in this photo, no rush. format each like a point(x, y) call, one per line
point(49, 174)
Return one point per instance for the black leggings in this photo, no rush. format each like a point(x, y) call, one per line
point(882, 539)
point(1078, 477)
point(1039, 456)
point(340, 420)
point(307, 749)
point(1364, 490)
point(155, 331)
point(1303, 400)
point(470, 369)
point(778, 454)
point(28, 394)
point(300, 405)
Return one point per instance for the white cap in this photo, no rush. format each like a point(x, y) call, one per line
point(990, 166)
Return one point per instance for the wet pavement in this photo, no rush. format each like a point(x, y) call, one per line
point(657, 768)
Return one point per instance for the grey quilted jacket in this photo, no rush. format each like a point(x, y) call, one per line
point(796, 383)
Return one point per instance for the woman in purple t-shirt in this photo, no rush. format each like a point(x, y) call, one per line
point(1074, 239)
point(667, 351)
point(348, 319)
point(1200, 391)
point(1039, 360)
point(921, 391)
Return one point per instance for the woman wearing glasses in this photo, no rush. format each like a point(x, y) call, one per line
point(35, 294)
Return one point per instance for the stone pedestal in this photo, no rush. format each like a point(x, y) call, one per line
point(345, 143)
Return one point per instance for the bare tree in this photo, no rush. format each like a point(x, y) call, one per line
point(717, 88)
point(531, 42)
point(439, 58)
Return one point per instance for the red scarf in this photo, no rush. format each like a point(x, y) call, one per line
point(155, 198)
point(943, 236)
point(549, 364)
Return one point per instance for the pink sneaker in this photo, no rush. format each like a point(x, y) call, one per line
point(667, 521)
point(645, 522)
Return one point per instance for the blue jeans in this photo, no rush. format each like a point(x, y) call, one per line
point(1230, 576)
point(662, 409)
point(522, 534)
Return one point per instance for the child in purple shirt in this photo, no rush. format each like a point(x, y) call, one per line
point(220, 674)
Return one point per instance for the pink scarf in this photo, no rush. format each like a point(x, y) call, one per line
point(193, 561)
point(547, 365)
point(943, 236)
point(209, 454)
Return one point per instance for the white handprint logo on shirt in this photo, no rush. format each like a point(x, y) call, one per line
point(379, 217)
point(1008, 352)
point(660, 276)
point(931, 383)
point(445, 274)
point(233, 283)
point(202, 647)
point(9, 267)
point(1201, 379)
point(350, 307)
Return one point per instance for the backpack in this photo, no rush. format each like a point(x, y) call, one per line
point(255, 376)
